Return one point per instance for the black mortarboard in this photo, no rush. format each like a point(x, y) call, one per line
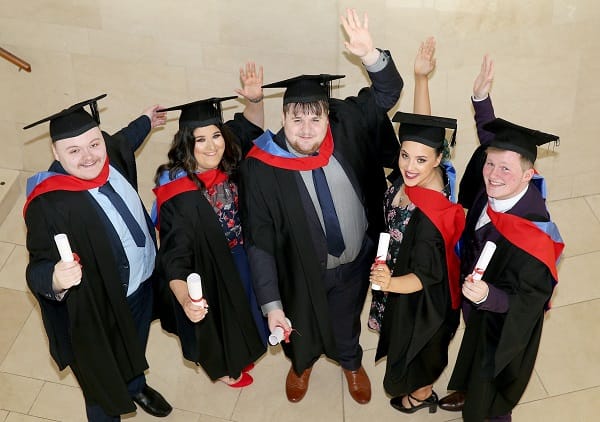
point(517, 138)
point(306, 88)
point(428, 130)
point(72, 121)
point(200, 113)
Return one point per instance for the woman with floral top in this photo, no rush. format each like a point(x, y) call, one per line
point(196, 212)
point(419, 282)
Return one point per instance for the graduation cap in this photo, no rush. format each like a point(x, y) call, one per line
point(427, 130)
point(200, 113)
point(517, 138)
point(306, 88)
point(72, 121)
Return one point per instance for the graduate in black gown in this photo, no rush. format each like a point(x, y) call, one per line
point(312, 206)
point(200, 232)
point(420, 293)
point(504, 312)
point(96, 309)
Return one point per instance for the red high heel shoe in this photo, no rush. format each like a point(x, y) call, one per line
point(245, 380)
point(248, 368)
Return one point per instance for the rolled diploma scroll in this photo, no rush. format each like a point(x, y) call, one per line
point(278, 334)
point(194, 284)
point(64, 248)
point(382, 250)
point(484, 259)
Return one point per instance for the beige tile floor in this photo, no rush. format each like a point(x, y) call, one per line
point(547, 65)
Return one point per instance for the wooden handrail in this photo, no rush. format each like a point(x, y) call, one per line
point(22, 64)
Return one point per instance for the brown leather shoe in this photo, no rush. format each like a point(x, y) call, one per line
point(359, 385)
point(453, 402)
point(296, 386)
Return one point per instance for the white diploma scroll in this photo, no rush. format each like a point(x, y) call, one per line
point(382, 250)
point(484, 259)
point(64, 248)
point(194, 284)
point(278, 334)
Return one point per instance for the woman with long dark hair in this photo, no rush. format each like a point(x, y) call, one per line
point(420, 276)
point(200, 232)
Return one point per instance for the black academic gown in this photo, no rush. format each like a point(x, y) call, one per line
point(192, 240)
point(280, 221)
point(498, 350)
point(92, 329)
point(418, 327)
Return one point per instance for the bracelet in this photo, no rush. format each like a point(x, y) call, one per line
point(256, 100)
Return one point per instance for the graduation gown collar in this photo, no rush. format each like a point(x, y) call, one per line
point(267, 150)
point(49, 181)
point(541, 240)
point(168, 188)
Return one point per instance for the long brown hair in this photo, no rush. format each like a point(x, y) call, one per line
point(181, 155)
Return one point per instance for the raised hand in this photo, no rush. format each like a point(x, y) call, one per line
point(252, 81)
point(483, 81)
point(425, 60)
point(359, 41)
point(157, 118)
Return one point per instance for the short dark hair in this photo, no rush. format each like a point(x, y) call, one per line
point(181, 155)
point(316, 107)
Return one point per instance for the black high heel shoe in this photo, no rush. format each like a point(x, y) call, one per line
point(431, 402)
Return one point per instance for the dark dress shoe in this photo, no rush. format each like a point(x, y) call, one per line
point(152, 402)
point(296, 386)
point(359, 385)
point(430, 402)
point(453, 402)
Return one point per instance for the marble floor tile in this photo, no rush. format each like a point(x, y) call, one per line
point(578, 225)
point(6, 250)
point(577, 406)
point(18, 393)
point(578, 282)
point(12, 273)
point(19, 417)
point(569, 354)
point(13, 229)
point(29, 355)
point(59, 402)
point(15, 308)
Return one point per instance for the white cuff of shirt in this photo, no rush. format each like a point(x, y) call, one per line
point(479, 99)
point(482, 300)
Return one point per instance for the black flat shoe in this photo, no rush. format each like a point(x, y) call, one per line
point(430, 402)
point(152, 402)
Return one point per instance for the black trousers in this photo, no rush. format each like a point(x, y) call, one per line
point(140, 304)
point(346, 287)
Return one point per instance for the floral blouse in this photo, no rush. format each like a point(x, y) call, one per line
point(224, 199)
point(397, 219)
